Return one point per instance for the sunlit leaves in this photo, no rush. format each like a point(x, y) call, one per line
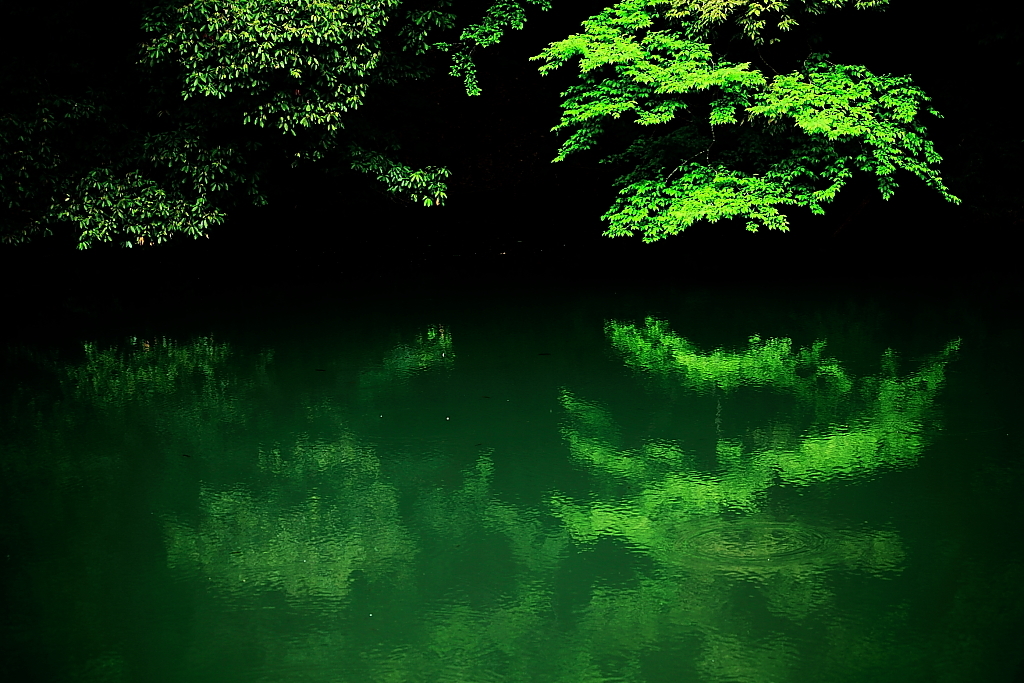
point(754, 17)
point(647, 70)
point(793, 139)
point(843, 103)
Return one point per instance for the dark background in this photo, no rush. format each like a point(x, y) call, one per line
point(513, 219)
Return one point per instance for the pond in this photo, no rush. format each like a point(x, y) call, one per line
point(595, 484)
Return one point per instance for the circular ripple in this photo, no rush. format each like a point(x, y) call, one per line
point(757, 542)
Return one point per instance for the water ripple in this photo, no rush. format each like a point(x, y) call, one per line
point(758, 542)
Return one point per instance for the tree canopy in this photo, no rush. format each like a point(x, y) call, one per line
point(183, 109)
point(221, 90)
point(730, 140)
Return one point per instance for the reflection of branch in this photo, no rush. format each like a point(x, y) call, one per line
point(309, 549)
point(432, 348)
point(886, 433)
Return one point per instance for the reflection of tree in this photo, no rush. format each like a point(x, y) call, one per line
point(430, 349)
point(187, 391)
point(85, 427)
point(772, 362)
point(144, 368)
point(308, 548)
point(707, 530)
point(304, 520)
point(882, 428)
point(325, 514)
point(308, 515)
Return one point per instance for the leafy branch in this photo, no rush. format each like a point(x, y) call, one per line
point(796, 138)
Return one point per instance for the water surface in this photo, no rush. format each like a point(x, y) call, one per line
point(565, 486)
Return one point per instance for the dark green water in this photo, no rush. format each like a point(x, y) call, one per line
point(571, 486)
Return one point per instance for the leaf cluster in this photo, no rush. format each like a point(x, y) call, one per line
point(733, 141)
point(298, 63)
point(754, 18)
point(221, 92)
point(501, 15)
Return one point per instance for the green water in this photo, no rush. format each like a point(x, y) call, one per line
point(574, 486)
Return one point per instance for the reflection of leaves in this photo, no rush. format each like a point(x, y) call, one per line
point(463, 643)
point(761, 549)
point(795, 595)
point(885, 429)
point(815, 379)
point(674, 512)
point(769, 362)
point(145, 369)
point(243, 543)
point(730, 657)
point(341, 458)
point(306, 549)
point(188, 388)
point(431, 349)
point(457, 514)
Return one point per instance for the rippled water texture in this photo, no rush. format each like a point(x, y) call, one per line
point(567, 486)
point(755, 542)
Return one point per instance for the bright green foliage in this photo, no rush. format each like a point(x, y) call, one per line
point(224, 90)
point(753, 17)
point(746, 143)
